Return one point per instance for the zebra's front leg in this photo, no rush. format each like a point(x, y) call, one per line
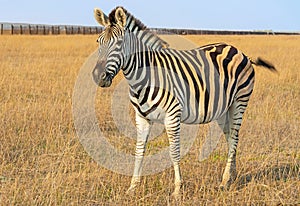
point(143, 130)
point(173, 131)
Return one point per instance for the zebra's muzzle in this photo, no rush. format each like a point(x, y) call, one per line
point(100, 77)
point(105, 80)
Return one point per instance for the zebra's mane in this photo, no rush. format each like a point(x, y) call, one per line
point(135, 25)
point(129, 16)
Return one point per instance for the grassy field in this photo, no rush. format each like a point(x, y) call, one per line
point(43, 163)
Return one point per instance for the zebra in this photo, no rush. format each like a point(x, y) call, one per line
point(212, 82)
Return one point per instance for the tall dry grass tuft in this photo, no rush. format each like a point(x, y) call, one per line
point(43, 163)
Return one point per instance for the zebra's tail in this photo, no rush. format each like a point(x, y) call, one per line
point(264, 63)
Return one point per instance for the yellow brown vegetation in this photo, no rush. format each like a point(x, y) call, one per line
point(43, 163)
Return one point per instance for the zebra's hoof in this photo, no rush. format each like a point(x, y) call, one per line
point(176, 196)
point(224, 186)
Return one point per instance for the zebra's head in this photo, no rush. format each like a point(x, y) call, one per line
point(120, 30)
point(110, 43)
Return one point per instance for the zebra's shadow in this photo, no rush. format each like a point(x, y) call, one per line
point(276, 173)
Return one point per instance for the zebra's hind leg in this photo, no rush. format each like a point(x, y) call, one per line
point(172, 125)
point(143, 130)
point(231, 126)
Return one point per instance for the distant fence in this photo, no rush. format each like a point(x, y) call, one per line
point(39, 29)
point(218, 32)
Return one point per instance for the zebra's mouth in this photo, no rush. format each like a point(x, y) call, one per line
point(105, 80)
point(102, 80)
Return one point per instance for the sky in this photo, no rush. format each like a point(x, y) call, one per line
point(276, 15)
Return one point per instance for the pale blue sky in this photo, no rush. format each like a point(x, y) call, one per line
point(278, 15)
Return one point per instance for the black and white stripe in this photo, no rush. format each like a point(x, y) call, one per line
point(212, 82)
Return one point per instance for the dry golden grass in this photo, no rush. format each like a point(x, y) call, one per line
point(43, 163)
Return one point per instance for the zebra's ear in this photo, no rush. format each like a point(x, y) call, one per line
point(120, 17)
point(101, 18)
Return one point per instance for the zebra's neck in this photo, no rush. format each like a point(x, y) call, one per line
point(137, 61)
point(139, 53)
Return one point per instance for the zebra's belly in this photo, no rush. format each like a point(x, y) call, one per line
point(193, 115)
